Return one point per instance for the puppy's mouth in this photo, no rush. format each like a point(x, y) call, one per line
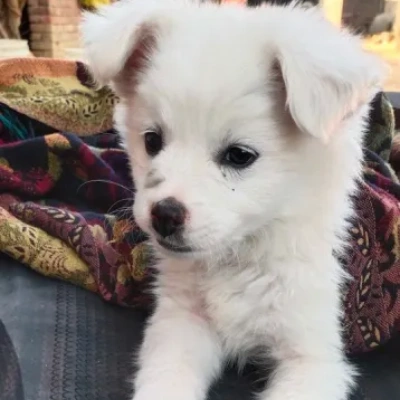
point(175, 247)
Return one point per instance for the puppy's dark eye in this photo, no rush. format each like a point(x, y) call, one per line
point(153, 142)
point(238, 157)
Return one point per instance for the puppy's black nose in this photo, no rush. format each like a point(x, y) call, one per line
point(168, 216)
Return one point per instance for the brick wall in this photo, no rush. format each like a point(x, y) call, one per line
point(54, 26)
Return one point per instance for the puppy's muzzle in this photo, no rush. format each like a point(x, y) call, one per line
point(168, 217)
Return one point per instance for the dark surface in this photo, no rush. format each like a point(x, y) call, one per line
point(70, 344)
point(10, 374)
point(73, 346)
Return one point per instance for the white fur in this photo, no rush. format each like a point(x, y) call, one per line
point(264, 281)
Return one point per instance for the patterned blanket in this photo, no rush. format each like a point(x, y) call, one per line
point(66, 198)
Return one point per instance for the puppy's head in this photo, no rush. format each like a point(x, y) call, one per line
point(232, 117)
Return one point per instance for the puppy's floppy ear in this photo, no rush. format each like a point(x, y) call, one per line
point(121, 37)
point(327, 75)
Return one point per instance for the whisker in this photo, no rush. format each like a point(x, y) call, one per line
point(120, 201)
point(106, 182)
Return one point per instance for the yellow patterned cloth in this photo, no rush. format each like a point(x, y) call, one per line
point(58, 93)
point(44, 253)
point(65, 197)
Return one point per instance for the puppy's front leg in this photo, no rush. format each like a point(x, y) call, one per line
point(307, 378)
point(180, 355)
point(311, 364)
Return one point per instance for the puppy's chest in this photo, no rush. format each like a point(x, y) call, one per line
point(241, 308)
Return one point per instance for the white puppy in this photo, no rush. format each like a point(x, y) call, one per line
point(244, 128)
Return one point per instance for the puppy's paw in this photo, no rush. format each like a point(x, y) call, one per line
point(161, 396)
point(165, 393)
point(148, 396)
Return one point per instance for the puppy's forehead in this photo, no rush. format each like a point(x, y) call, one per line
point(202, 80)
point(211, 57)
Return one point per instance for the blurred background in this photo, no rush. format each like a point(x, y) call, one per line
point(50, 28)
